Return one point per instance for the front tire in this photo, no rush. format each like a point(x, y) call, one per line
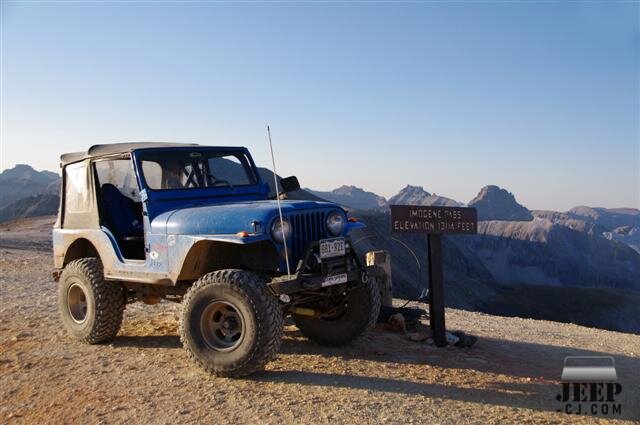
point(90, 308)
point(359, 315)
point(230, 324)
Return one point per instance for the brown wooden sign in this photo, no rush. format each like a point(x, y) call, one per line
point(433, 220)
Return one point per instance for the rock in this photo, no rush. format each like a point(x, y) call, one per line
point(464, 340)
point(21, 336)
point(396, 323)
point(418, 336)
point(452, 339)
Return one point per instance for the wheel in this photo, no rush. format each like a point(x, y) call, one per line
point(359, 314)
point(91, 309)
point(231, 325)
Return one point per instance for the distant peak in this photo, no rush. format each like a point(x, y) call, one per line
point(347, 189)
point(27, 172)
point(492, 188)
point(410, 195)
point(21, 167)
point(414, 189)
point(495, 203)
point(493, 191)
point(352, 197)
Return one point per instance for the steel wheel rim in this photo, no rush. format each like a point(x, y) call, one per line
point(222, 326)
point(77, 303)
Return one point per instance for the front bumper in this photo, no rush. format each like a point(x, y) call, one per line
point(347, 267)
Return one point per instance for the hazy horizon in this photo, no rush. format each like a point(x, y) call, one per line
point(542, 99)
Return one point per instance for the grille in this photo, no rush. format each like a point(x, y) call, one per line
point(305, 228)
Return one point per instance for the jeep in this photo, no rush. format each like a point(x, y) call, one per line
point(199, 225)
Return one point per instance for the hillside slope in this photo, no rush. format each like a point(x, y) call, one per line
point(32, 206)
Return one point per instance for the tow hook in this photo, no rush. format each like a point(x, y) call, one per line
point(365, 277)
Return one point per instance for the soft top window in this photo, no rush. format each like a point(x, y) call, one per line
point(197, 168)
point(119, 173)
point(77, 187)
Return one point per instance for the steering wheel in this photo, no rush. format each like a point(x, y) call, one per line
point(216, 181)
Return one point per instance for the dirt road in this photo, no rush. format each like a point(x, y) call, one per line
point(510, 376)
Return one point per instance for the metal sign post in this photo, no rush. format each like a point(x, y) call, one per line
point(434, 222)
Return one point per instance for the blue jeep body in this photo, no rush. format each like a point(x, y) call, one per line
point(169, 237)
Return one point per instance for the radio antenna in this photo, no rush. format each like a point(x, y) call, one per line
point(275, 180)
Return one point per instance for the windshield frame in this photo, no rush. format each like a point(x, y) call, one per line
point(139, 156)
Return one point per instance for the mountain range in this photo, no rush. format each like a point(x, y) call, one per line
point(355, 198)
point(22, 181)
point(25, 192)
point(581, 265)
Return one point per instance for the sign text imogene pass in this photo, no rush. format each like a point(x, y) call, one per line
point(433, 220)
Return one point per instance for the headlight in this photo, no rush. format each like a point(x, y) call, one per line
point(335, 223)
point(280, 233)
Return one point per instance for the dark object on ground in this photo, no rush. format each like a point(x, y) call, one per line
point(397, 323)
point(411, 314)
point(465, 340)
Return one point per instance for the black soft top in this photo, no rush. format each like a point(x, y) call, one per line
point(114, 149)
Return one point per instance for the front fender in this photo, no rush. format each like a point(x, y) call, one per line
point(353, 225)
point(191, 256)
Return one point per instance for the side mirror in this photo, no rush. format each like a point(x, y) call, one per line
point(289, 184)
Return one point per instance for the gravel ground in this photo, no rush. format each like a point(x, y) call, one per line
point(510, 376)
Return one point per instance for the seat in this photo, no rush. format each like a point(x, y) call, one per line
point(123, 217)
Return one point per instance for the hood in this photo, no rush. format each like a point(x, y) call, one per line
point(228, 218)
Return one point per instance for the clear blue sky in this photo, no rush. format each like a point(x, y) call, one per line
point(540, 98)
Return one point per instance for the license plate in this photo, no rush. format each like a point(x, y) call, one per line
point(335, 279)
point(332, 248)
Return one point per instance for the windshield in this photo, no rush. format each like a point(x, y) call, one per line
point(186, 169)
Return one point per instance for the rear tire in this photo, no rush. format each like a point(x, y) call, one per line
point(90, 308)
point(360, 315)
point(230, 324)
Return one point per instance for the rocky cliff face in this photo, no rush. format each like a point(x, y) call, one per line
point(494, 203)
point(615, 224)
point(627, 235)
point(543, 252)
point(608, 218)
point(568, 220)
